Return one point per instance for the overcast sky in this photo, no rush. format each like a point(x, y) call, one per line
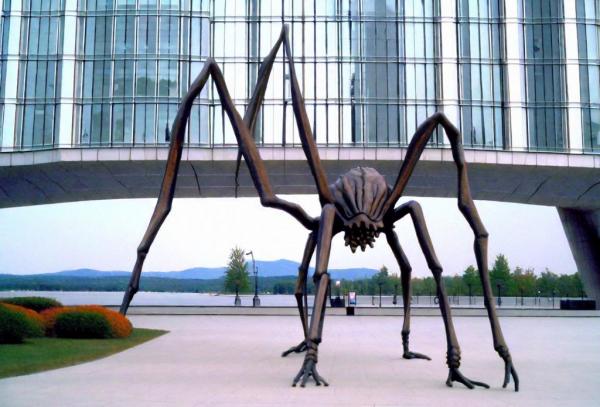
point(200, 232)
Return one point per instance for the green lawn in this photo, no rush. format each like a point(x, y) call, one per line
point(39, 354)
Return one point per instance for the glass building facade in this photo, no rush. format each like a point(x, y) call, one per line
point(481, 50)
point(546, 95)
point(102, 73)
point(588, 33)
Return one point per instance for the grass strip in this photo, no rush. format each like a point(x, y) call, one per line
point(40, 354)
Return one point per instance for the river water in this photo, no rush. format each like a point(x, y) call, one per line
point(144, 298)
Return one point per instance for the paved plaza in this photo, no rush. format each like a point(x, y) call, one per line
point(234, 360)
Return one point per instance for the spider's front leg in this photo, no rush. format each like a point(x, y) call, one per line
point(453, 353)
point(300, 293)
point(405, 273)
point(469, 211)
point(321, 278)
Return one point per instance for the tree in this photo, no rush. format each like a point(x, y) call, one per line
point(578, 285)
point(547, 282)
point(524, 282)
point(380, 279)
point(236, 277)
point(471, 279)
point(500, 274)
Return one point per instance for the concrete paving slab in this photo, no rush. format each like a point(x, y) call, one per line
point(234, 360)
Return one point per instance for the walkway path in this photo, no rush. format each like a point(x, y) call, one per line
point(234, 360)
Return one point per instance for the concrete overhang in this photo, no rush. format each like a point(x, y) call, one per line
point(68, 175)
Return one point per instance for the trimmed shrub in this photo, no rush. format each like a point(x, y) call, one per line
point(16, 325)
point(82, 324)
point(120, 327)
point(36, 325)
point(37, 304)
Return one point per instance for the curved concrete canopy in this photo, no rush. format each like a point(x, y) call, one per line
point(568, 181)
point(67, 175)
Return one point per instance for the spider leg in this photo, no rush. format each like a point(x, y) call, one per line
point(304, 131)
point(300, 293)
point(469, 211)
point(321, 278)
point(167, 189)
point(301, 117)
point(246, 143)
point(248, 150)
point(453, 354)
point(405, 274)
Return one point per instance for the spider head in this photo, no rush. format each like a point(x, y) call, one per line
point(361, 231)
point(360, 195)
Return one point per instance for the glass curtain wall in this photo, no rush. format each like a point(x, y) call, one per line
point(39, 73)
point(545, 74)
point(481, 77)
point(135, 61)
point(4, 26)
point(367, 68)
point(588, 33)
point(396, 53)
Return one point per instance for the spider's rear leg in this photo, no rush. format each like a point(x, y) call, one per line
point(405, 272)
point(453, 353)
point(300, 293)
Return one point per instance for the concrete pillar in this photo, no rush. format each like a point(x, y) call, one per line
point(67, 91)
point(582, 228)
point(573, 83)
point(449, 65)
point(515, 76)
point(12, 74)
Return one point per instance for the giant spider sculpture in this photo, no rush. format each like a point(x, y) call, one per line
point(360, 203)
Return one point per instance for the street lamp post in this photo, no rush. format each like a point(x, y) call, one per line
point(470, 297)
point(499, 286)
point(255, 300)
point(380, 286)
point(521, 297)
point(395, 300)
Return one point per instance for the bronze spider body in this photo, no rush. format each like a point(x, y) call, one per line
point(360, 203)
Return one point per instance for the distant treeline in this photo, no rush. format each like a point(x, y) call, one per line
point(513, 283)
point(506, 282)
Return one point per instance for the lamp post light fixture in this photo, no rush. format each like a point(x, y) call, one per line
point(255, 300)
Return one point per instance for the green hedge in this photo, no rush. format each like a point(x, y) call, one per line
point(82, 324)
point(16, 326)
point(38, 304)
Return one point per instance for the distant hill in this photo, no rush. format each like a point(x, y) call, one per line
point(274, 268)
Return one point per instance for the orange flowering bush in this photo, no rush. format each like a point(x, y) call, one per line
point(119, 325)
point(17, 323)
point(31, 314)
point(37, 304)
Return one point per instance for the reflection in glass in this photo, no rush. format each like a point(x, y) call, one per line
point(481, 78)
point(545, 74)
point(588, 33)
